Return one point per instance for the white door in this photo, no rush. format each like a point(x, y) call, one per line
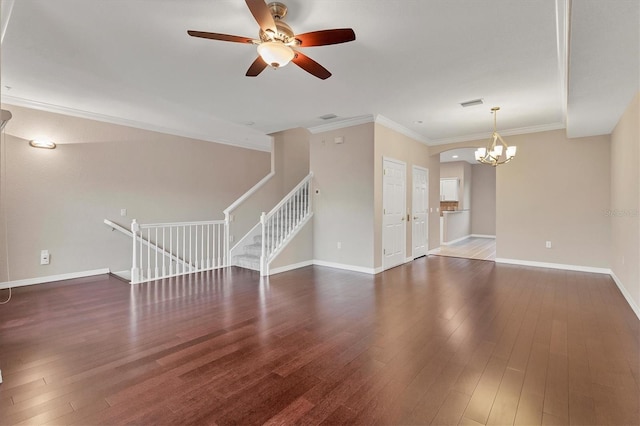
point(394, 183)
point(420, 218)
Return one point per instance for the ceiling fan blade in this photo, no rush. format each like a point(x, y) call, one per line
point(311, 66)
point(262, 14)
point(221, 37)
point(326, 37)
point(256, 67)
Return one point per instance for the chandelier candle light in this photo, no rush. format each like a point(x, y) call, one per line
point(497, 152)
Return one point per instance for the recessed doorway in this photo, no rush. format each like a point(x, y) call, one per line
point(467, 206)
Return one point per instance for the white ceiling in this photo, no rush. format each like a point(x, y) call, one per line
point(131, 62)
point(459, 154)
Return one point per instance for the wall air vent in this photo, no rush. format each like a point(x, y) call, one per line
point(472, 103)
point(328, 116)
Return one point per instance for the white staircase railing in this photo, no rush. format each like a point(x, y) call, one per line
point(283, 221)
point(162, 250)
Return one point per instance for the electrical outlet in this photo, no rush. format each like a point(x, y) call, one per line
point(44, 257)
point(231, 238)
point(339, 245)
point(548, 244)
point(123, 212)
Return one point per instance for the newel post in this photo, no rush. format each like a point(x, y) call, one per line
point(263, 254)
point(227, 248)
point(135, 269)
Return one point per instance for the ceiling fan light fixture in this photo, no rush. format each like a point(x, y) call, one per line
point(275, 53)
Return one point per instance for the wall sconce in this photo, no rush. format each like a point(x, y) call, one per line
point(42, 143)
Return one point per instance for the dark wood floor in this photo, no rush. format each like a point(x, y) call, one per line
point(437, 341)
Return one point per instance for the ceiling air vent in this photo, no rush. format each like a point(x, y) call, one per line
point(328, 116)
point(472, 103)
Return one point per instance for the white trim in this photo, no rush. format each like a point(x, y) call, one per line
point(565, 267)
point(626, 294)
point(404, 203)
point(563, 25)
point(413, 248)
point(291, 267)
point(250, 192)
point(353, 268)
point(510, 132)
point(456, 240)
point(341, 124)
point(482, 236)
point(52, 278)
point(390, 124)
point(58, 109)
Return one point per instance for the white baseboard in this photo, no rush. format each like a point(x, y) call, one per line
point(626, 294)
point(483, 236)
point(348, 267)
point(577, 268)
point(457, 240)
point(280, 269)
point(52, 278)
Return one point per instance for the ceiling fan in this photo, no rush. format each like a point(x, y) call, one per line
point(277, 43)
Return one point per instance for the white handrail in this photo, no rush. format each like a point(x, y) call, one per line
point(284, 220)
point(290, 194)
point(247, 194)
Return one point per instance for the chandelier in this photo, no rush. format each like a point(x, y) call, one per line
point(497, 152)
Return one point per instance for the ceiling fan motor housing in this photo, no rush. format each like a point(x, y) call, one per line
point(284, 32)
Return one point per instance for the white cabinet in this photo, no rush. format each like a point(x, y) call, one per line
point(449, 189)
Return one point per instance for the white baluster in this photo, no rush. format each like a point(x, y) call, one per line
point(170, 250)
point(195, 231)
point(263, 252)
point(156, 270)
point(164, 256)
point(184, 249)
point(209, 246)
point(148, 253)
point(135, 269)
point(215, 246)
point(222, 250)
point(202, 264)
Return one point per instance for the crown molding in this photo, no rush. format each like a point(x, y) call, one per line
point(341, 124)
point(509, 132)
point(58, 109)
point(390, 124)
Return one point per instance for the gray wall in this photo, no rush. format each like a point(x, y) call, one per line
point(624, 208)
point(556, 189)
point(343, 204)
point(57, 199)
point(483, 200)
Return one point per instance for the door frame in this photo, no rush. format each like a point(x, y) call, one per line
point(413, 246)
point(404, 204)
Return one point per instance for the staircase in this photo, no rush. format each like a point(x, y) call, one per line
point(250, 259)
point(276, 228)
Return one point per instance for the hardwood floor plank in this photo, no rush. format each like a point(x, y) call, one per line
point(439, 340)
point(484, 394)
